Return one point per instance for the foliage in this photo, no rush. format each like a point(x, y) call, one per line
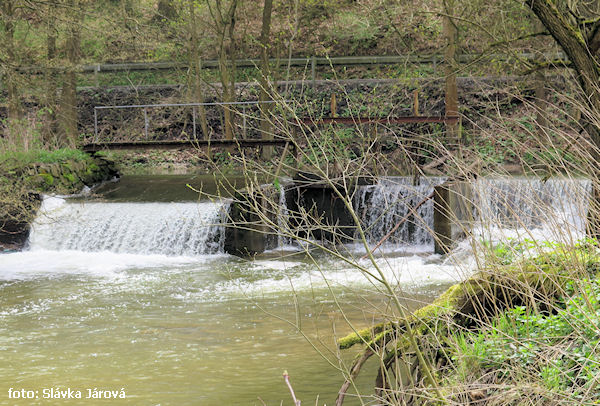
point(340, 143)
point(557, 348)
point(356, 29)
point(513, 250)
point(113, 33)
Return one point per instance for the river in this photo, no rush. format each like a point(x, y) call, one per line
point(129, 289)
point(116, 292)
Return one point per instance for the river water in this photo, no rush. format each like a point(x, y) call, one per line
point(130, 290)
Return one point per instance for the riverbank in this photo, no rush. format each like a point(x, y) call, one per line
point(28, 175)
point(522, 329)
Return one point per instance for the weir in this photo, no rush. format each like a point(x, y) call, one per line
point(176, 229)
point(383, 205)
point(531, 202)
point(431, 214)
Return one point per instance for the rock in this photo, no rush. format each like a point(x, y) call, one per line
point(55, 170)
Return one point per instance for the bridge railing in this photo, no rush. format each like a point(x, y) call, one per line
point(308, 65)
point(176, 121)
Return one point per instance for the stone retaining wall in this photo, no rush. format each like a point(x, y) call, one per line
point(66, 177)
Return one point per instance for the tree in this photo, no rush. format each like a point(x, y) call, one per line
point(68, 108)
point(50, 102)
point(195, 67)
point(265, 83)
point(576, 28)
point(579, 37)
point(10, 63)
point(223, 21)
point(450, 67)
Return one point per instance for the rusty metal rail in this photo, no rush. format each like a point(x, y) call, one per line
point(180, 144)
point(384, 120)
point(242, 142)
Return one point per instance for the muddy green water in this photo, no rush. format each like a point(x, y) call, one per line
point(187, 330)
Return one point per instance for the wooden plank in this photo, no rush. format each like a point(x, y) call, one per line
point(416, 102)
point(179, 144)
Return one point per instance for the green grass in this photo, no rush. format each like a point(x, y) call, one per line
point(556, 348)
point(24, 158)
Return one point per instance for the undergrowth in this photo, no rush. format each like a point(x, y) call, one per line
point(547, 353)
point(24, 158)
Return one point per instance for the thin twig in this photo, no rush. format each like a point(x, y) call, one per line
point(286, 377)
point(353, 374)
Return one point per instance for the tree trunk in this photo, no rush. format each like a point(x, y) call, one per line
point(195, 69)
point(266, 129)
point(69, 91)
point(471, 304)
point(11, 76)
point(227, 95)
point(226, 29)
point(541, 102)
point(450, 66)
point(49, 128)
point(573, 43)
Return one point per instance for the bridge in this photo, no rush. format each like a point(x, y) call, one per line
point(180, 144)
point(183, 125)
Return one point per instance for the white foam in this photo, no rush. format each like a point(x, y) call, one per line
point(116, 240)
point(408, 273)
point(32, 264)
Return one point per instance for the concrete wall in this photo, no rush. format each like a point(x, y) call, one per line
point(452, 214)
point(250, 227)
point(318, 213)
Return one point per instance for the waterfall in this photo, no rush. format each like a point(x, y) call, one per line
point(283, 221)
point(531, 203)
point(174, 229)
point(195, 228)
point(381, 206)
point(558, 206)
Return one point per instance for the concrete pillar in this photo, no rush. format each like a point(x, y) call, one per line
point(247, 233)
point(452, 214)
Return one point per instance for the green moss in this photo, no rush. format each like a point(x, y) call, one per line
point(44, 156)
point(361, 336)
point(44, 180)
point(68, 165)
point(70, 177)
point(526, 281)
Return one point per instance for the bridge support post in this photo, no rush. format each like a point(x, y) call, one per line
point(95, 125)
point(194, 122)
point(247, 232)
point(452, 214)
point(146, 123)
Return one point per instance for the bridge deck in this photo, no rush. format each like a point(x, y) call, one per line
point(381, 120)
point(179, 144)
point(245, 143)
